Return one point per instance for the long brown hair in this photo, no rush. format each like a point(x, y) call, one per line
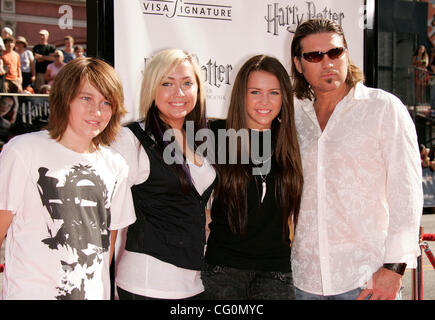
point(234, 178)
point(66, 87)
point(302, 88)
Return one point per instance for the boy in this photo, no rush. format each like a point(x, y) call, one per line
point(63, 193)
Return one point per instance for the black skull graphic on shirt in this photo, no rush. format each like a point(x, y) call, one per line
point(81, 209)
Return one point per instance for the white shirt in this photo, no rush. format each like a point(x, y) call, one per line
point(64, 204)
point(26, 59)
point(141, 273)
point(362, 198)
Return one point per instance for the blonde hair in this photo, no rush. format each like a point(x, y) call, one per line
point(155, 71)
point(59, 52)
point(157, 68)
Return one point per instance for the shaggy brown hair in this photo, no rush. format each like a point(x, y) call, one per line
point(67, 85)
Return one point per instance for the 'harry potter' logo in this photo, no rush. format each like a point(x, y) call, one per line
point(290, 16)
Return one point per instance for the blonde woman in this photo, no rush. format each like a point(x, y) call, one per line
point(164, 249)
point(54, 68)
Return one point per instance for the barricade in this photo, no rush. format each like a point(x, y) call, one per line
point(417, 273)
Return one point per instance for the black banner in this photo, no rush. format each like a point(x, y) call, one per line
point(22, 113)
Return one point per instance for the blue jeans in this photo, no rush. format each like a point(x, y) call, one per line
point(349, 295)
point(225, 283)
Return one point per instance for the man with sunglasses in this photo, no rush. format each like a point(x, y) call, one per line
point(357, 229)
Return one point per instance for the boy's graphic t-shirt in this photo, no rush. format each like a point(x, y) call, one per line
point(64, 205)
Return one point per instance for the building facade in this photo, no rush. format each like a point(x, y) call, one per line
point(60, 18)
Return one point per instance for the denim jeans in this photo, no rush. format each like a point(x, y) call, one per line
point(349, 295)
point(225, 283)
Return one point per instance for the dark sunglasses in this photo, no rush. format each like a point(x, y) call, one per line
point(317, 56)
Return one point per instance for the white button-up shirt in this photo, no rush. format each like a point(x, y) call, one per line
point(362, 199)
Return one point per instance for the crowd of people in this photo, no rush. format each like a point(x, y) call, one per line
point(32, 71)
point(300, 219)
point(427, 156)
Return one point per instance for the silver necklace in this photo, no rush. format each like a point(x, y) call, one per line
point(263, 177)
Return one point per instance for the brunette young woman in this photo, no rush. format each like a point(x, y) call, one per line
point(164, 248)
point(248, 249)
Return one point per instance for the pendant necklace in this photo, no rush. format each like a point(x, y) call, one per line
point(263, 177)
point(263, 184)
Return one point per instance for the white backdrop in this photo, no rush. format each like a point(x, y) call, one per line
point(223, 33)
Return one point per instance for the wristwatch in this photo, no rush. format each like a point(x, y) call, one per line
point(396, 267)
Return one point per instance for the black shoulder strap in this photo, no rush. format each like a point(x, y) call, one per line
point(141, 135)
point(136, 129)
